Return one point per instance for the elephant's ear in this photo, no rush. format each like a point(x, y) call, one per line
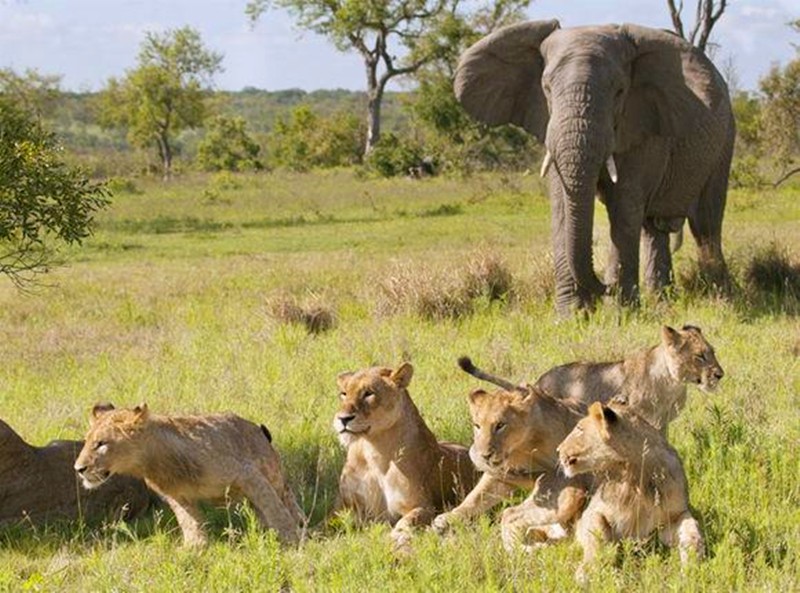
point(499, 79)
point(671, 87)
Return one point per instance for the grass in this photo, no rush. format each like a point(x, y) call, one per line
point(176, 301)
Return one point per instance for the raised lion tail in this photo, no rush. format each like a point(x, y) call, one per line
point(468, 367)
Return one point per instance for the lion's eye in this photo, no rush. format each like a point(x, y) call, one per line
point(342, 395)
point(499, 426)
point(99, 444)
point(368, 395)
point(477, 426)
point(700, 357)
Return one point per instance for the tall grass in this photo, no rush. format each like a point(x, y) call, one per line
point(186, 315)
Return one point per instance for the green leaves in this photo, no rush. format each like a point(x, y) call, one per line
point(43, 202)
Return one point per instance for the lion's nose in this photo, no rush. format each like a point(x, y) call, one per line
point(345, 419)
point(80, 468)
point(719, 373)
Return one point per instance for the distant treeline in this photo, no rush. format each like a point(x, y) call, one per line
point(75, 117)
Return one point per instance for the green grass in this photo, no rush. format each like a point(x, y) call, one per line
point(169, 303)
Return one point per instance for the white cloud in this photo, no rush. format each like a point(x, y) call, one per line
point(24, 25)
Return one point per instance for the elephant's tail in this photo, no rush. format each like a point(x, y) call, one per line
point(466, 365)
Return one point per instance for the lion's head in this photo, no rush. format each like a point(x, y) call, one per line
point(593, 444)
point(372, 401)
point(111, 443)
point(691, 358)
point(510, 436)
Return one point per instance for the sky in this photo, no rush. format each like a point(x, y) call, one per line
point(89, 41)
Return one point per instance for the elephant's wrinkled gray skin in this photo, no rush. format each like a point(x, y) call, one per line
point(641, 96)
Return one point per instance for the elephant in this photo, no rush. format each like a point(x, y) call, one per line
point(634, 115)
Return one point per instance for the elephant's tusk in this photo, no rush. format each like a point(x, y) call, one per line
point(612, 168)
point(548, 160)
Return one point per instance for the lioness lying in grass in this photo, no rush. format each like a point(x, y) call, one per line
point(395, 469)
point(640, 483)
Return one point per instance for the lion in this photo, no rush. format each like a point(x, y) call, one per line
point(38, 485)
point(188, 459)
point(652, 382)
point(641, 486)
point(517, 432)
point(395, 469)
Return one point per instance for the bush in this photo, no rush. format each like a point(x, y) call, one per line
point(393, 156)
point(228, 147)
point(306, 140)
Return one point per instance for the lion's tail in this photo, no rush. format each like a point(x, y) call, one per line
point(466, 365)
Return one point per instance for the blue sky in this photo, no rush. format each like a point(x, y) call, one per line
point(87, 41)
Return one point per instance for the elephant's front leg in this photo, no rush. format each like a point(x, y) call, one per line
point(625, 217)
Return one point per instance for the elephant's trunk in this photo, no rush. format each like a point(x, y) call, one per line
point(580, 151)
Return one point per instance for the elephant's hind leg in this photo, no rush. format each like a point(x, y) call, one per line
point(705, 222)
point(658, 257)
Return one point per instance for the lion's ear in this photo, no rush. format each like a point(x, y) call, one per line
point(402, 376)
point(671, 337)
point(527, 391)
point(476, 395)
point(100, 409)
point(604, 416)
point(342, 379)
point(142, 412)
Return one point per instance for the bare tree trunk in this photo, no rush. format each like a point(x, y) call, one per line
point(707, 13)
point(165, 152)
point(373, 119)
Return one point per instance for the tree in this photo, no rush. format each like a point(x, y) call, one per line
point(43, 202)
point(378, 30)
point(707, 13)
point(228, 147)
point(780, 117)
point(448, 131)
point(35, 93)
point(164, 94)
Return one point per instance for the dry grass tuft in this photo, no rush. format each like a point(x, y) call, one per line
point(310, 312)
point(773, 271)
point(431, 294)
point(450, 293)
point(488, 276)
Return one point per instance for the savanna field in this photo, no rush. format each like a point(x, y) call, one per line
point(216, 293)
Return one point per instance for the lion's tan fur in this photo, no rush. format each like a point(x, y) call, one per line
point(641, 486)
point(395, 469)
point(652, 381)
point(38, 484)
point(188, 459)
point(515, 440)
